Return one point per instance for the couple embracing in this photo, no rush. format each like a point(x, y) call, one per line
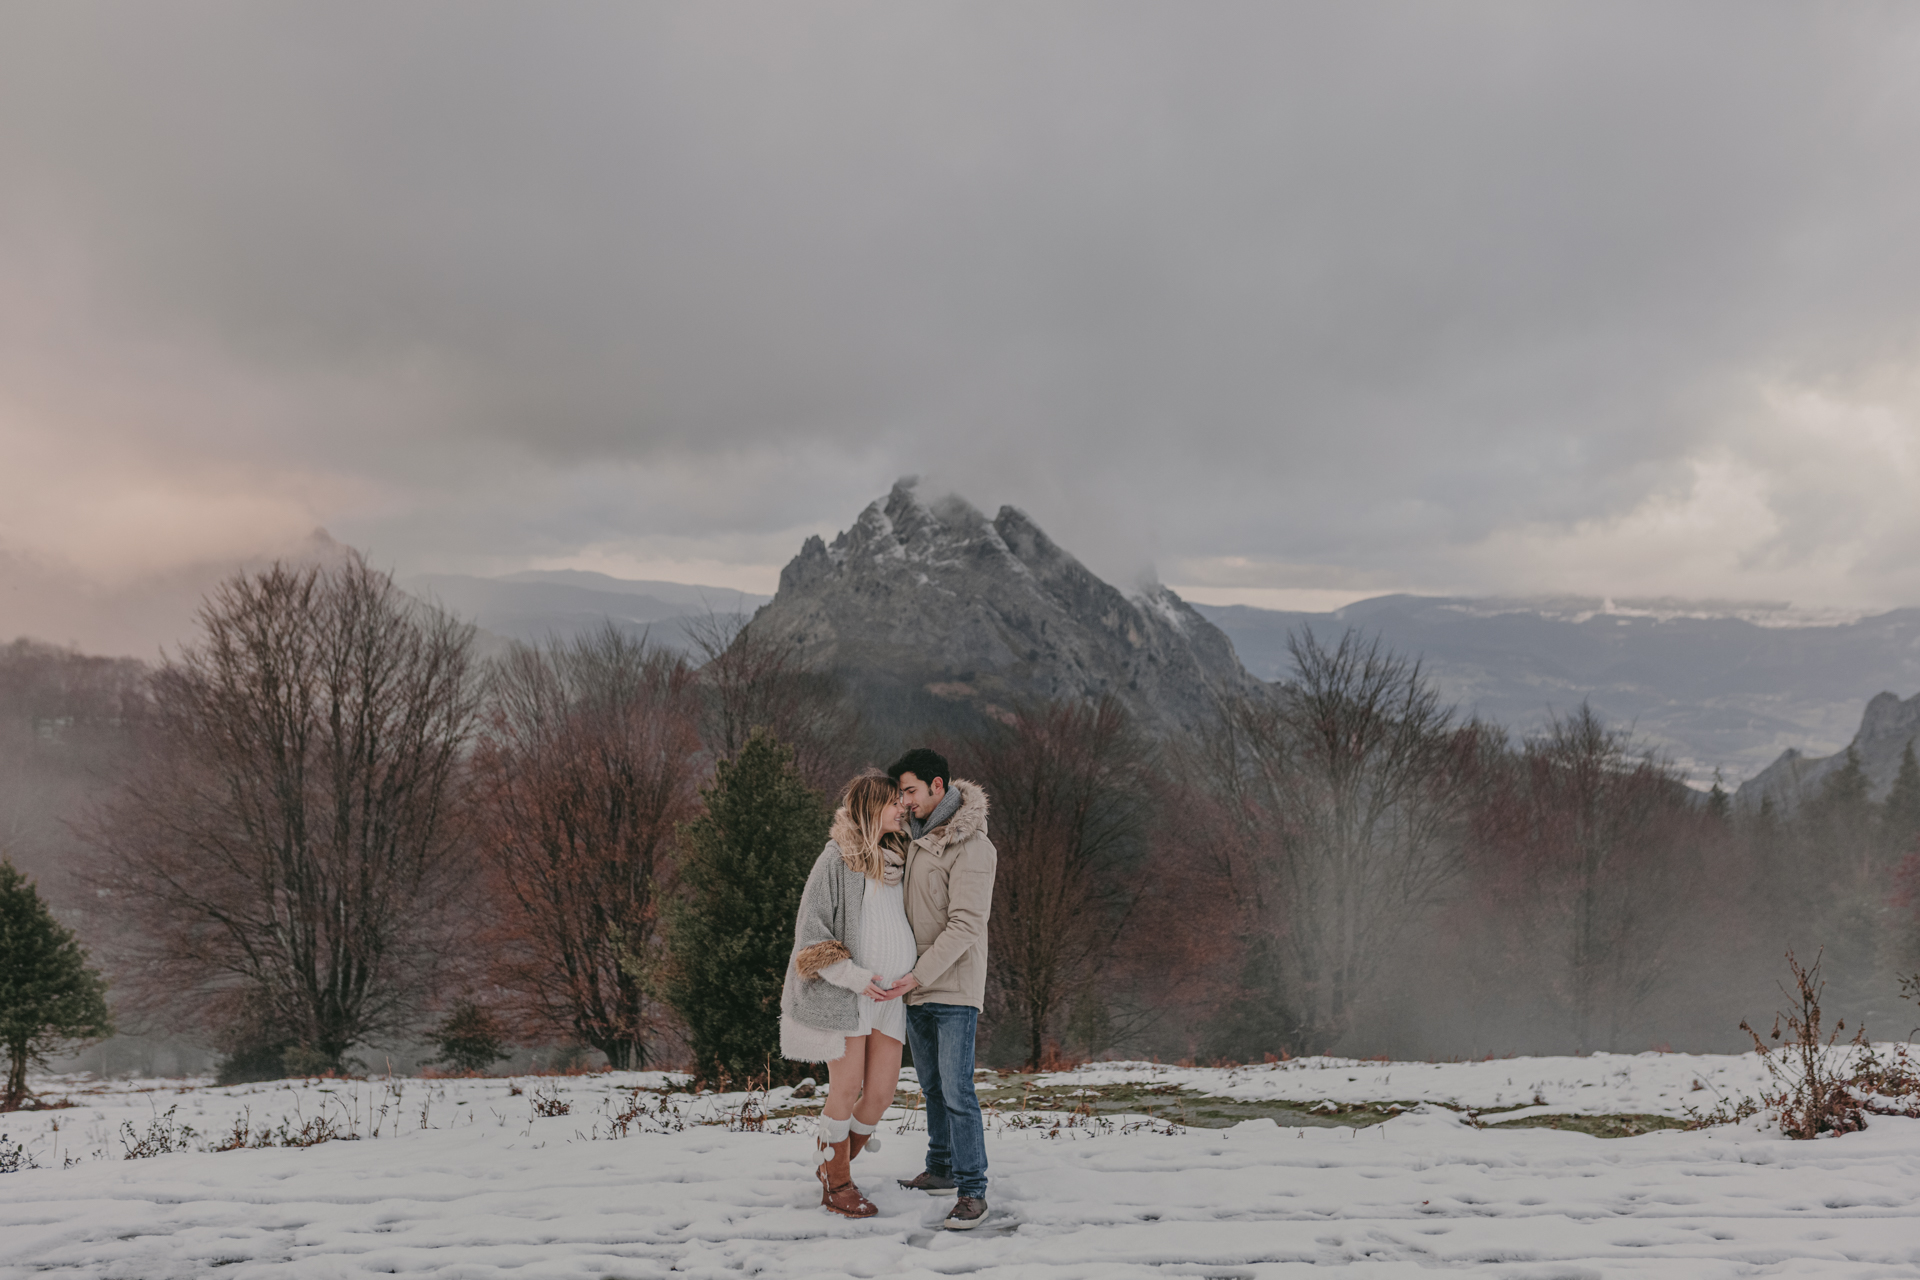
point(891, 948)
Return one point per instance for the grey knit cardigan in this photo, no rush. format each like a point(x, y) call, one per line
point(816, 1017)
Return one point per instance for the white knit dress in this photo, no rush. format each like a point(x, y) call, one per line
point(887, 948)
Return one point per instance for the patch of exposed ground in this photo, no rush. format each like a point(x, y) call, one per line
point(1014, 1093)
point(1171, 1102)
point(1616, 1126)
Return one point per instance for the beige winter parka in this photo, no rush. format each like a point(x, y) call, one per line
point(949, 893)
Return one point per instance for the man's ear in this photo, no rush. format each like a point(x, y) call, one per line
point(937, 788)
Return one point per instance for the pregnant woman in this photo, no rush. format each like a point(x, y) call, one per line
point(851, 945)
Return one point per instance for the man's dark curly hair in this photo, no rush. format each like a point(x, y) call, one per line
point(923, 763)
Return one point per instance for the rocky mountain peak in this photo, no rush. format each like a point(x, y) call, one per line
point(1886, 727)
point(935, 598)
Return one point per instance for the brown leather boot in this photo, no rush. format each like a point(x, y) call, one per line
point(857, 1142)
point(837, 1191)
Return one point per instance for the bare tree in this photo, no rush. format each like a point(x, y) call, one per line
point(754, 680)
point(286, 861)
point(1591, 857)
point(589, 758)
point(1348, 792)
point(1072, 799)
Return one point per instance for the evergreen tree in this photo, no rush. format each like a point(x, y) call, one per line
point(1842, 905)
point(1901, 820)
point(1839, 822)
point(49, 994)
point(469, 1038)
point(745, 864)
point(1719, 803)
point(1845, 789)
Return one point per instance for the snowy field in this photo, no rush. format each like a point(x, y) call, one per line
point(460, 1178)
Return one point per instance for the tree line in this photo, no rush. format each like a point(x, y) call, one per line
point(339, 828)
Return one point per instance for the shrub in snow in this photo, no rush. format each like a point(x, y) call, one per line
point(163, 1137)
point(14, 1157)
point(309, 1132)
point(1819, 1085)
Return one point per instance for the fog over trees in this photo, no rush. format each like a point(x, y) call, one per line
point(326, 831)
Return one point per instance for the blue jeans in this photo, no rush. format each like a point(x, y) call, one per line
point(941, 1036)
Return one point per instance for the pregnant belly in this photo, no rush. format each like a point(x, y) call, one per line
point(893, 964)
point(892, 955)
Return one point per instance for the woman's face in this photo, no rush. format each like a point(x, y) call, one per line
point(891, 816)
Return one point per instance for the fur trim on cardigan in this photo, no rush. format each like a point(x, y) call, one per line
point(811, 960)
point(817, 1013)
point(802, 1043)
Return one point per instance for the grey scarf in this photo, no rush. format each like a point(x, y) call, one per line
point(941, 815)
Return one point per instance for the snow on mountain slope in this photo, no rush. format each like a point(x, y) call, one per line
point(933, 596)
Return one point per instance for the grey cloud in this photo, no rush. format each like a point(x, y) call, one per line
point(1341, 285)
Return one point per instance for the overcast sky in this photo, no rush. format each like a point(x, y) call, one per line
point(1286, 303)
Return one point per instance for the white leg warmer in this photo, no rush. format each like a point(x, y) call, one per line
point(832, 1131)
point(873, 1144)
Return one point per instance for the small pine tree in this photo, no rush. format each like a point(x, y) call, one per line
point(1901, 820)
point(745, 864)
point(49, 995)
point(1840, 820)
point(1845, 789)
point(1719, 803)
point(469, 1038)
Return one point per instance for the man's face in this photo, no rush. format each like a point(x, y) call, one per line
point(920, 797)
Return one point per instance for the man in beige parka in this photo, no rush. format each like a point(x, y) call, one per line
point(949, 896)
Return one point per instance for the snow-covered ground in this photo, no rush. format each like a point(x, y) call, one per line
point(464, 1180)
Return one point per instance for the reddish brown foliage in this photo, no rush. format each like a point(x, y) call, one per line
point(589, 760)
point(1820, 1086)
point(1071, 804)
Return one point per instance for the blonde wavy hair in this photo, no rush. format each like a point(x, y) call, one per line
point(856, 827)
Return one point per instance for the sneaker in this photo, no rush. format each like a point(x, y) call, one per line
point(931, 1183)
point(968, 1213)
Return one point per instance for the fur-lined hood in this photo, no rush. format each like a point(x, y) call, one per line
point(967, 822)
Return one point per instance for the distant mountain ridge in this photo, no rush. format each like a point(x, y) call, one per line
point(543, 604)
point(1713, 691)
point(996, 610)
point(688, 597)
point(923, 599)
